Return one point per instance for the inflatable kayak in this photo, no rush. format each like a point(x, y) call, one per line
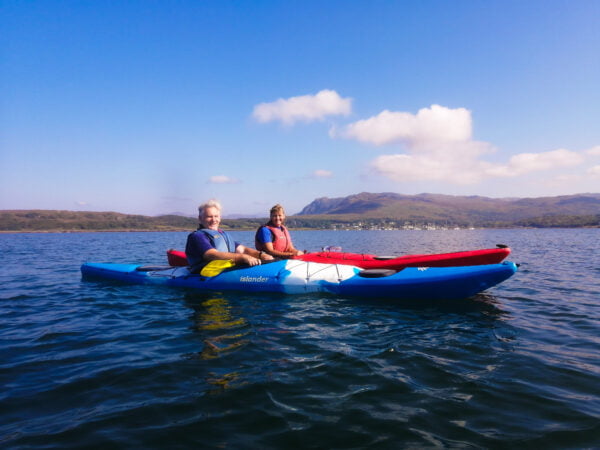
point(366, 261)
point(301, 277)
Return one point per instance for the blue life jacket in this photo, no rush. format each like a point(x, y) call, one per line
point(221, 241)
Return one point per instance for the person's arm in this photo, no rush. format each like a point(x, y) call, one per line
point(295, 251)
point(237, 257)
point(263, 256)
point(242, 255)
point(204, 250)
point(277, 254)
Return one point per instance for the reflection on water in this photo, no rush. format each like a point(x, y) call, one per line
point(223, 332)
point(223, 382)
point(216, 314)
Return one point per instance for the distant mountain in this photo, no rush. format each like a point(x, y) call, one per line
point(360, 211)
point(476, 210)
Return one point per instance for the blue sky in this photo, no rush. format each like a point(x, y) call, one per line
point(152, 107)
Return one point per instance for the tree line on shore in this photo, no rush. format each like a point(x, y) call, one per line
point(73, 221)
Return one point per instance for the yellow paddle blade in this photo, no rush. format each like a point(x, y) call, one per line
point(216, 266)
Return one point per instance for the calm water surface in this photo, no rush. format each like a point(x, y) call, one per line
point(90, 364)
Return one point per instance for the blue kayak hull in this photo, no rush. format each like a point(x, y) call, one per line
point(299, 277)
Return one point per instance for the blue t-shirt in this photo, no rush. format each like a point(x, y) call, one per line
point(265, 235)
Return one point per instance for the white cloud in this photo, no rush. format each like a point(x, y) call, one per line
point(222, 179)
point(433, 125)
point(403, 168)
point(594, 171)
point(463, 167)
point(438, 141)
point(305, 108)
point(532, 162)
point(439, 147)
point(320, 173)
point(594, 151)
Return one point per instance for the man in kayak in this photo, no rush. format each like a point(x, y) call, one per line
point(274, 238)
point(208, 242)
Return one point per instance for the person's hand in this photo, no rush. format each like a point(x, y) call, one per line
point(251, 260)
point(264, 256)
point(299, 253)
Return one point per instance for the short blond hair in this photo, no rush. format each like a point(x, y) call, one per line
point(212, 203)
point(277, 208)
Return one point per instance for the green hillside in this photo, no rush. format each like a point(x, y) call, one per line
point(573, 210)
point(361, 211)
point(45, 220)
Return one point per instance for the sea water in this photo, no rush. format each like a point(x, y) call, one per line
point(106, 365)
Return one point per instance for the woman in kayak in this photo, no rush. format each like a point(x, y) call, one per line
point(208, 242)
point(274, 238)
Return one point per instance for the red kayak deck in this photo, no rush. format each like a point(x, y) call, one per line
point(366, 261)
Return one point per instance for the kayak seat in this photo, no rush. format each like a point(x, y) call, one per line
point(376, 273)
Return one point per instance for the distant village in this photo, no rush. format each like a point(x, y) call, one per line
point(391, 225)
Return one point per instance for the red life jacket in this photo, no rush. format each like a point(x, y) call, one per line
point(281, 239)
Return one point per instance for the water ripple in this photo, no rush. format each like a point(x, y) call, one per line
point(87, 364)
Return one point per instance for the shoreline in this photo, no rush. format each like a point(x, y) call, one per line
point(57, 231)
